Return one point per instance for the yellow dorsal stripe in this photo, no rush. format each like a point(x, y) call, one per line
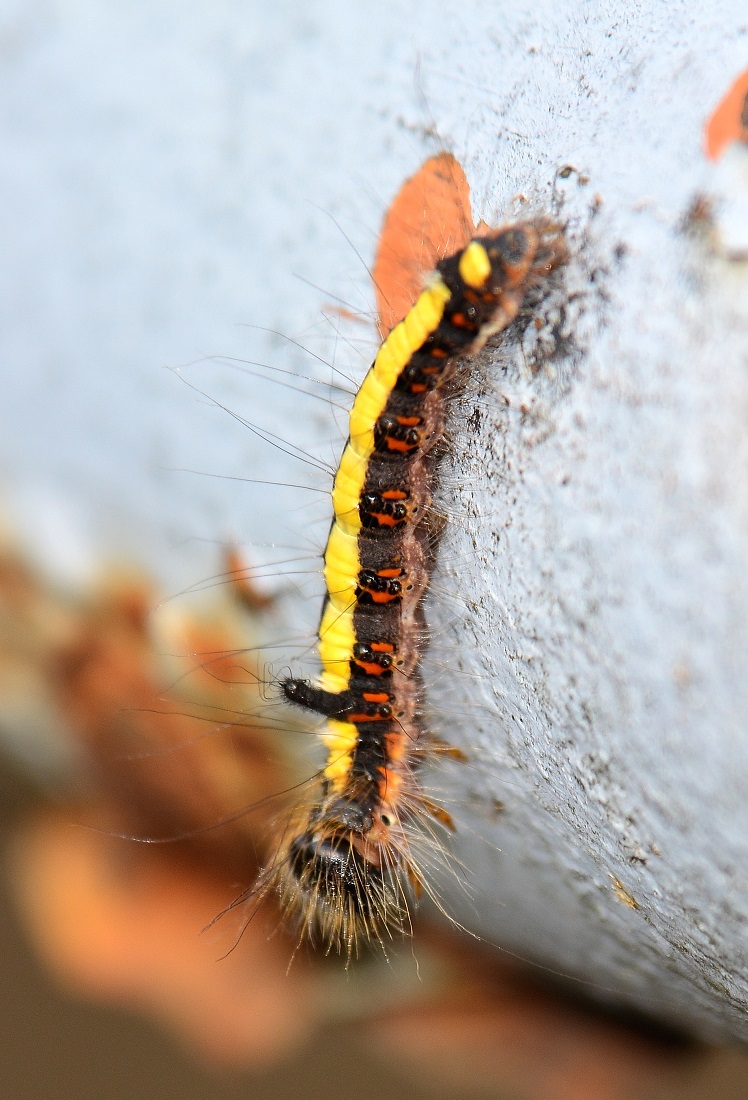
point(342, 564)
point(336, 641)
point(393, 356)
point(341, 567)
point(339, 738)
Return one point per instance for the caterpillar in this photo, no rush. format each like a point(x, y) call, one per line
point(354, 858)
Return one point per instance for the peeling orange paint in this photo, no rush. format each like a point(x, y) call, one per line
point(729, 120)
point(429, 217)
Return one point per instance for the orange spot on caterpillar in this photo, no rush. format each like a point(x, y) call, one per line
point(729, 121)
point(385, 520)
point(400, 446)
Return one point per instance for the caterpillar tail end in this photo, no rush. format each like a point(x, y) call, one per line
point(342, 893)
